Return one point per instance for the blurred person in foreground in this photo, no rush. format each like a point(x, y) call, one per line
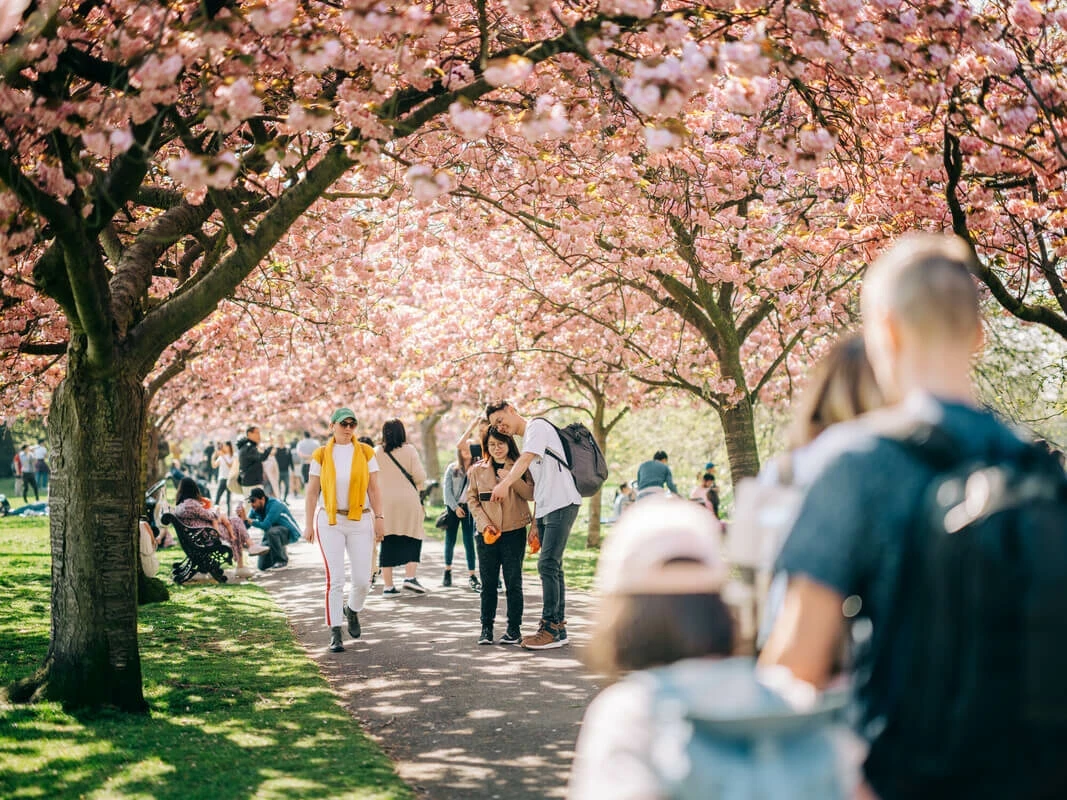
point(683, 718)
point(959, 680)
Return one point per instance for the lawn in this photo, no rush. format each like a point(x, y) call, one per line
point(579, 562)
point(238, 709)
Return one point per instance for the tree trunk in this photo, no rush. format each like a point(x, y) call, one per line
point(95, 430)
point(430, 457)
point(595, 502)
point(739, 429)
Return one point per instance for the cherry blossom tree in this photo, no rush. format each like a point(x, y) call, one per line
point(151, 156)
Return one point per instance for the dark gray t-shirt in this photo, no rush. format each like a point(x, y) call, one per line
point(850, 533)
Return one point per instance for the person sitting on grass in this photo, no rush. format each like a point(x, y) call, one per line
point(192, 511)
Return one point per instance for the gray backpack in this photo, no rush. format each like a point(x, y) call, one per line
point(582, 456)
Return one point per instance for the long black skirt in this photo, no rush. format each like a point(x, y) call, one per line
point(396, 551)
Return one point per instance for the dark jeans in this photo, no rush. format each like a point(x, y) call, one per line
point(223, 489)
point(276, 538)
point(506, 553)
point(42, 479)
point(28, 481)
point(554, 529)
point(454, 524)
point(305, 472)
point(283, 485)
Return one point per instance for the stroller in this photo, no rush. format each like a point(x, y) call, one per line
point(155, 506)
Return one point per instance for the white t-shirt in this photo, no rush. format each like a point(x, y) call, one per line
point(553, 483)
point(342, 466)
point(306, 448)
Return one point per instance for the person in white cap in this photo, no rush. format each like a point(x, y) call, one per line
point(689, 720)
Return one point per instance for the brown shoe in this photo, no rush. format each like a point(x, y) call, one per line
point(547, 637)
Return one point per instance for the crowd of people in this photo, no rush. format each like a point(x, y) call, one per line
point(914, 628)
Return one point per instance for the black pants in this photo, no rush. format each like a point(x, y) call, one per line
point(223, 489)
point(29, 480)
point(283, 481)
point(505, 554)
point(276, 538)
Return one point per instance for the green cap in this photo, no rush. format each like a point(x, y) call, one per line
point(342, 413)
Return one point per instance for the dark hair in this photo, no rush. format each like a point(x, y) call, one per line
point(393, 434)
point(257, 494)
point(250, 429)
point(307, 434)
point(492, 432)
point(364, 439)
point(638, 631)
point(187, 490)
point(661, 455)
point(492, 408)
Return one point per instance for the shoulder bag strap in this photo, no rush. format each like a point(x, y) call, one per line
point(406, 473)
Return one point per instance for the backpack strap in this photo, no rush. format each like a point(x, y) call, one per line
point(565, 463)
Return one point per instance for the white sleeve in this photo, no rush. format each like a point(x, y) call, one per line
point(372, 465)
point(315, 468)
point(536, 438)
point(612, 753)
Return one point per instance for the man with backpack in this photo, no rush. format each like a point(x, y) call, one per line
point(556, 504)
point(943, 535)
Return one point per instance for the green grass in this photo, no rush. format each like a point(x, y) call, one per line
point(579, 562)
point(238, 709)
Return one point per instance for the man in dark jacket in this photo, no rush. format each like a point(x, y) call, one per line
point(250, 461)
point(284, 458)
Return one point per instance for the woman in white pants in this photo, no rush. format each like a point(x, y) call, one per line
point(343, 513)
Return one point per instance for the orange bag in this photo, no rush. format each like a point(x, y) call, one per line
point(491, 534)
point(535, 544)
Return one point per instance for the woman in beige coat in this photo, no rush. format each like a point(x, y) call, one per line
point(500, 531)
point(401, 478)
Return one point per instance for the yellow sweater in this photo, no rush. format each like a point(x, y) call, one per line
point(357, 484)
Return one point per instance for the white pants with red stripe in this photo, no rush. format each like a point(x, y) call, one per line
point(357, 537)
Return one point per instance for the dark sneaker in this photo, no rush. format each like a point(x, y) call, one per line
point(413, 585)
point(487, 635)
point(511, 637)
point(546, 638)
point(335, 640)
point(353, 623)
point(475, 584)
point(391, 591)
point(499, 586)
point(447, 580)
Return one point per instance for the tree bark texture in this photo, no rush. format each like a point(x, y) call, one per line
point(596, 501)
point(430, 457)
point(95, 430)
point(739, 430)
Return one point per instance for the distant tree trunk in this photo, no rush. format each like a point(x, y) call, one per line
point(95, 429)
point(431, 458)
point(600, 433)
point(739, 428)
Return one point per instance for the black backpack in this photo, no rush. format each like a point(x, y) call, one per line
point(978, 660)
point(582, 456)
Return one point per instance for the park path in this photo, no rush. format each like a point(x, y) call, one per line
point(460, 720)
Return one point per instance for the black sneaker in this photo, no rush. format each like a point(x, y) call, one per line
point(499, 586)
point(353, 623)
point(335, 640)
point(447, 580)
point(487, 635)
point(392, 591)
point(511, 637)
point(413, 585)
point(475, 584)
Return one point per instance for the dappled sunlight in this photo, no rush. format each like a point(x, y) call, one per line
point(461, 719)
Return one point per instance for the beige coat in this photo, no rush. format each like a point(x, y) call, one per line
point(400, 500)
point(513, 513)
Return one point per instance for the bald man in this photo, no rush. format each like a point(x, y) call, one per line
point(922, 327)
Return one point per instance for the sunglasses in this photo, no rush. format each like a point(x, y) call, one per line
point(347, 423)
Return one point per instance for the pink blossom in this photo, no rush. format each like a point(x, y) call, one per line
point(426, 185)
point(1025, 16)
point(303, 118)
point(156, 73)
point(631, 8)
point(121, 139)
point(660, 139)
point(510, 71)
point(472, 123)
point(547, 120)
point(10, 17)
point(273, 16)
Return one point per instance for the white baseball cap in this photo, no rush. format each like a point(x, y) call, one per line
point(650, 535)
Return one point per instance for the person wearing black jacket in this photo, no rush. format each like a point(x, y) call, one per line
point(284, 458)
point(250, 461)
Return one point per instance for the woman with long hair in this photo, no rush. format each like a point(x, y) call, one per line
point(402, 478)
point(501, 535)
point(192, 511)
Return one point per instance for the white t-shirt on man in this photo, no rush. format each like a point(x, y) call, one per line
point(342, 467)
point(553, 483)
